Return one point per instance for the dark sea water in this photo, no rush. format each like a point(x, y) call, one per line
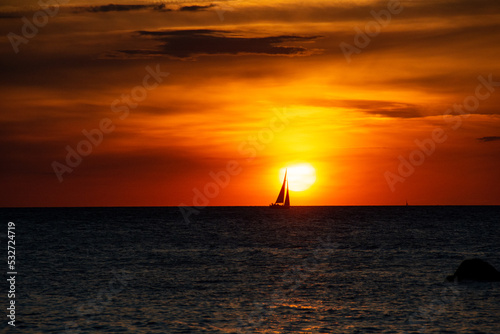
point(251, 270)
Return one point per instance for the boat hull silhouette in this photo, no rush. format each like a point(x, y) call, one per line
point(278, 206)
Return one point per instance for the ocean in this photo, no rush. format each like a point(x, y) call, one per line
point(251, 270)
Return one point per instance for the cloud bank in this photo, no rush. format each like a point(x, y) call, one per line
point(193, 43)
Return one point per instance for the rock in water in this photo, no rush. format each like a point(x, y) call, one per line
point(475, 270)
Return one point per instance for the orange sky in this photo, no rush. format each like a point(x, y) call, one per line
point(256, 84)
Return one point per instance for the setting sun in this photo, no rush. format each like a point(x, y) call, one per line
point(300, 176)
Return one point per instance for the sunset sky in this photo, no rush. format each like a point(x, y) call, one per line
point(252, 87)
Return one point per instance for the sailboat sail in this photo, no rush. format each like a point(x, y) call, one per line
point(281, 196)
point(287, 200)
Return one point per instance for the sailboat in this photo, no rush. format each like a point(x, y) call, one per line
point(282, 202)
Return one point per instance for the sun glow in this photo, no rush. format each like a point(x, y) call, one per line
point(300, 176)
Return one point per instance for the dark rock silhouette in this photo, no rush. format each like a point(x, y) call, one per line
point(475, 270)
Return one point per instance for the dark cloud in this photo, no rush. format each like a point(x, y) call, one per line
point(382, 108)
point(127, 8)
point(11, 16)
point(388, 108)
point(488, 139)
point(195, 8)
point(122, 8)
point(192, 43)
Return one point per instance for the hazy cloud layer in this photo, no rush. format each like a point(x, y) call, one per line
point(317, 11)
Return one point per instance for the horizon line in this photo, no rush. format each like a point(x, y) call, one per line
point(240, 206)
